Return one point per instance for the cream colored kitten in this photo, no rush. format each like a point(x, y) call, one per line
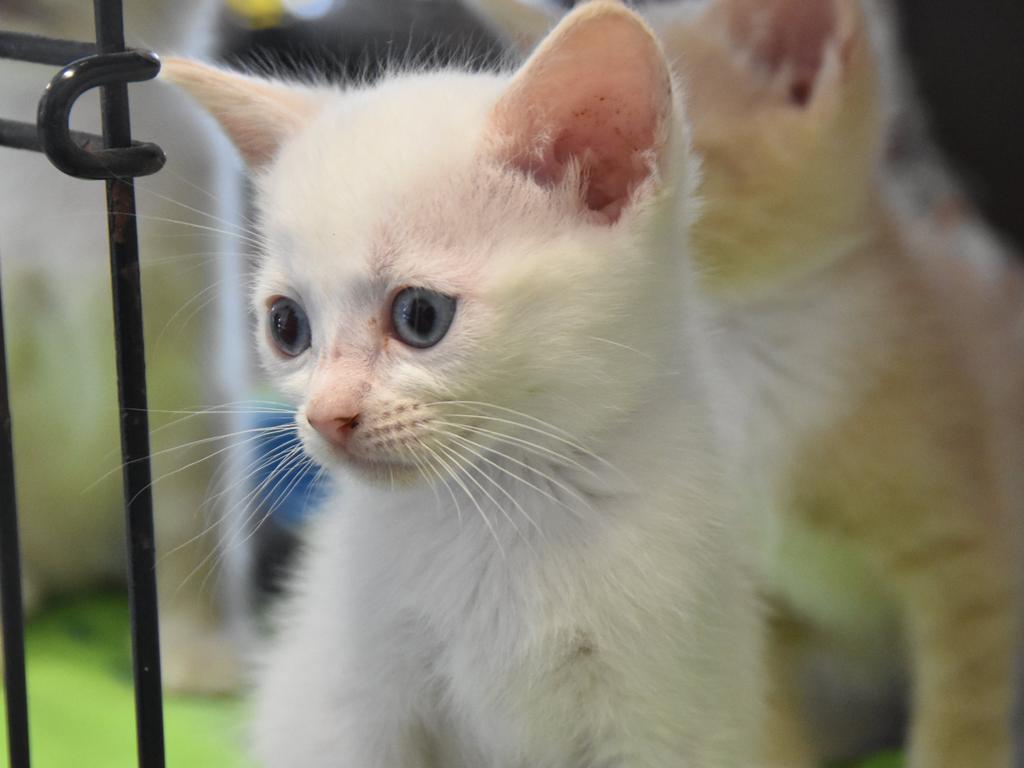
point(53, 244)
point(878, 350)
point(477, 289)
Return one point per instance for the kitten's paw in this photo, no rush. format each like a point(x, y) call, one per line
point(198, 658)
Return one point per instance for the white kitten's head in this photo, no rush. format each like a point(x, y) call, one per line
point(462, 266)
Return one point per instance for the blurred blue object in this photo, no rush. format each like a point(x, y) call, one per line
point(282, 485)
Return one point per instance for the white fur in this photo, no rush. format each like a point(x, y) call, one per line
point(602, 617)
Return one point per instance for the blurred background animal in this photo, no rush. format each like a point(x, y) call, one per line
point(875, 332)
point(53, 243)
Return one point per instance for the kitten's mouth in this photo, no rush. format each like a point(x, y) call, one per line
point(377, 468)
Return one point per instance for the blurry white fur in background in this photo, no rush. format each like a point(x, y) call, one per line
point(56, 289)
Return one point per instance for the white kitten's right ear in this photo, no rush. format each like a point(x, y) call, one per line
point(520, 23)
point(596, 97)
point(257, 115)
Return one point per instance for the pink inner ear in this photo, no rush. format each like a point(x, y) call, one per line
point(597, 93)
point(607, 129)
point(787, 36)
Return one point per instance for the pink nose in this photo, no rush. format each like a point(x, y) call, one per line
point(337, 429)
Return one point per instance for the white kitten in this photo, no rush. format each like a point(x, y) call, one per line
point(479, 292)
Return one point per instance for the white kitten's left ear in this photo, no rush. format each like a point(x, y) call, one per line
point(597, 94)
point(257, 115)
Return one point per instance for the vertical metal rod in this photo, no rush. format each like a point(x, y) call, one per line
point(10, 582)
point(131, 379)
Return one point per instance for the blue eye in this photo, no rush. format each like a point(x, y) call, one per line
point(289, 327)
point(420, 317)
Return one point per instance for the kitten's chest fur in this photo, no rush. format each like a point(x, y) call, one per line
point(795, 361)
point(491, 628)
point(799, 363)
point(477, 571)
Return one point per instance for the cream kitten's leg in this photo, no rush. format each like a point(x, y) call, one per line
point(787, 742)
point(962, 626)
point(199, 656)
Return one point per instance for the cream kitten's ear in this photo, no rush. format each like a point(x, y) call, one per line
point(257, 115)
point(796, 53)
point(785, 86)
point(800, 47)
point(596, 95)
point(517, 22)
point(786, 114)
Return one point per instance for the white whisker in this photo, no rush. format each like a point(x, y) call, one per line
point(245, 475)
point(282, 469)
point(503, 409)
point(212, 217)
point(198, 297)
point(526, 444)
point(457, 457)
point(570, 443)
point(524, 465)
point(623, 346)
point(452, 473)
point(502, 488)
point(426, 459)
point(254, 433)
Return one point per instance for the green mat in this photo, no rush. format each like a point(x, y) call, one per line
point(884, 761)
point(81, 711)
point(81, 705)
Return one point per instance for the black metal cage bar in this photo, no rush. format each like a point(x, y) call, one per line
point(43, 50)
point(131, 384)
point(114, 157)
point(10, 581)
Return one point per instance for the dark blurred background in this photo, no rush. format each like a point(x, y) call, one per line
point(967, 61)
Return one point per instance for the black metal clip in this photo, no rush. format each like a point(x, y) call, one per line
point(55, 135)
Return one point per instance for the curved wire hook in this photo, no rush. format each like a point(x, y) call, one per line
point(85, 161)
